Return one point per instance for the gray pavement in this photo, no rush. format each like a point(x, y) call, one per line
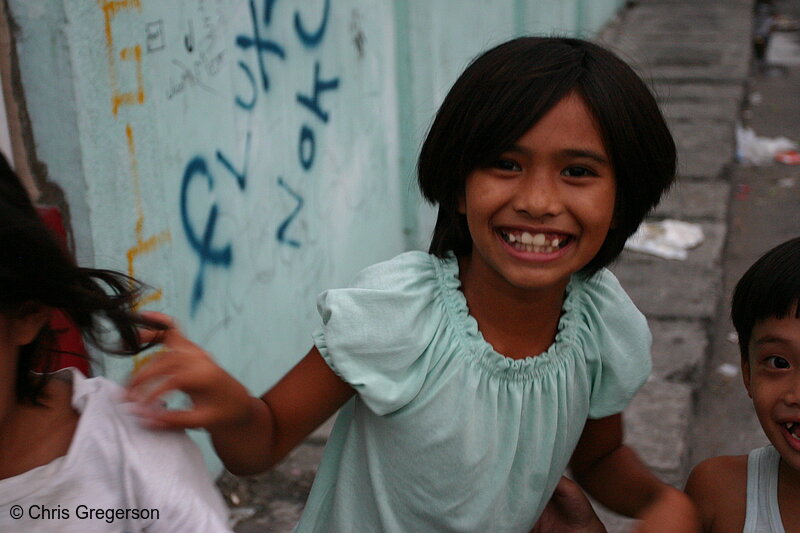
point(764, 211)
point(696, 56)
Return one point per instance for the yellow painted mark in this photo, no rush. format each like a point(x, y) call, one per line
point(144, 245)
point(140, 360)
point(111, 8)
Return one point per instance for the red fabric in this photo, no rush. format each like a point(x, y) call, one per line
point(68, 337)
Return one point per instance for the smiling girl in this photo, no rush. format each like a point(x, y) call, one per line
point(470, 377)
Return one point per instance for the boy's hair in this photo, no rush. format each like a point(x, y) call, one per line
point(506, 90)
point(769, 288)
point(35, 269)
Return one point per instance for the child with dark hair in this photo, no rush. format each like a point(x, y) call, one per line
point(72, 458)
point(760, 492)
point(472, 376)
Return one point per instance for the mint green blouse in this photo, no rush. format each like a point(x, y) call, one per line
point(444, 433)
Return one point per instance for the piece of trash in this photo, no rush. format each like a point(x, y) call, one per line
point(669, 239)
point(754, 150)
point(239, 514)
point(788, 157)
point(756, 98)
point(742, 191)
point(785, 23)
point(787, 183)
point(728, 370)
point(732, 337)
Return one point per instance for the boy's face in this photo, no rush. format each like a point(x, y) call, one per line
point(772, 378)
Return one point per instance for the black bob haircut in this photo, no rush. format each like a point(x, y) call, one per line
point(509, 88)
point(36, 270)
point(769, 288)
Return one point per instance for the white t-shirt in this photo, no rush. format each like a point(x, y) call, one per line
point(116, 477)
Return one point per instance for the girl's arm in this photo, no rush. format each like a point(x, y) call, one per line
point(614, 475)
point(249, 434)
point(568, 511)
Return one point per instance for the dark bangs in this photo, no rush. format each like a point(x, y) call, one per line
point(769, 288)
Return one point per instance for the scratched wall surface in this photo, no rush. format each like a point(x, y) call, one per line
point(242, 155)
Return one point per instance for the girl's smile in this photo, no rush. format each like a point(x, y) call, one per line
point(543, 210)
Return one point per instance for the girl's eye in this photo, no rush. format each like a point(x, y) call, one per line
point(578, 172)
point(776, 361)
point(507, 164)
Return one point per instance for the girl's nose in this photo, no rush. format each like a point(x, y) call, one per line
point(538, 196)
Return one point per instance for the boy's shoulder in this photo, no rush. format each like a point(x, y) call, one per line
point(718, 487)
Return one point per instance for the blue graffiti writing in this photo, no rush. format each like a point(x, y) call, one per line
point(311, 39)
point(261, 45)
point(312, 103)
point(281, 233)
point(315, 99)
point(248, 105)
point(241, 177)
point(307, 147)
point(202, 246)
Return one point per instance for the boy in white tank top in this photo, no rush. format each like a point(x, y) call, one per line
point(760, 492)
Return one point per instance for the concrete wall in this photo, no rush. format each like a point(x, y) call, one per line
point(242, 155)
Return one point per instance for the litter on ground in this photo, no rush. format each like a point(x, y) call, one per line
point(754, 150)
point(669, 239)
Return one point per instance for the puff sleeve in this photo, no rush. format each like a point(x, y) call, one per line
point(616, 342)
point(376, 334)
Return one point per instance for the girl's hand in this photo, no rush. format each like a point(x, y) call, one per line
point(568, 511)
point(218, 400)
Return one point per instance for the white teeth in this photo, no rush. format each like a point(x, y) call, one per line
point(537, 243)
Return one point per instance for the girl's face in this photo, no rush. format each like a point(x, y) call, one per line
point(16, 330)
point(543, 210)
point(772, 378)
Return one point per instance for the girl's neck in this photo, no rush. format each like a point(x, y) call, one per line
point(35, 435)
point(517, 323)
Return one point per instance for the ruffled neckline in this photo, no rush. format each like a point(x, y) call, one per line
point(563, 349)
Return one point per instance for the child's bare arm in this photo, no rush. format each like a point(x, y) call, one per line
point(249, 434)
point(568, 511)
point(718, 488)
point(613, 474)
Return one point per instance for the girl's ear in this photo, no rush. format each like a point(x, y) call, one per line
point(746, 375)
point(28, 322)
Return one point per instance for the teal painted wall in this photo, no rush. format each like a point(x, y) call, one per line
point(242, 155)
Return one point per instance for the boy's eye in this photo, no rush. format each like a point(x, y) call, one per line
point(577, 172)
point(776, 361)
point(507, 164)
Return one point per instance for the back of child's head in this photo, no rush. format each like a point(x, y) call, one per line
point(769, 289)
point(35, 270)
point(509, 88)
